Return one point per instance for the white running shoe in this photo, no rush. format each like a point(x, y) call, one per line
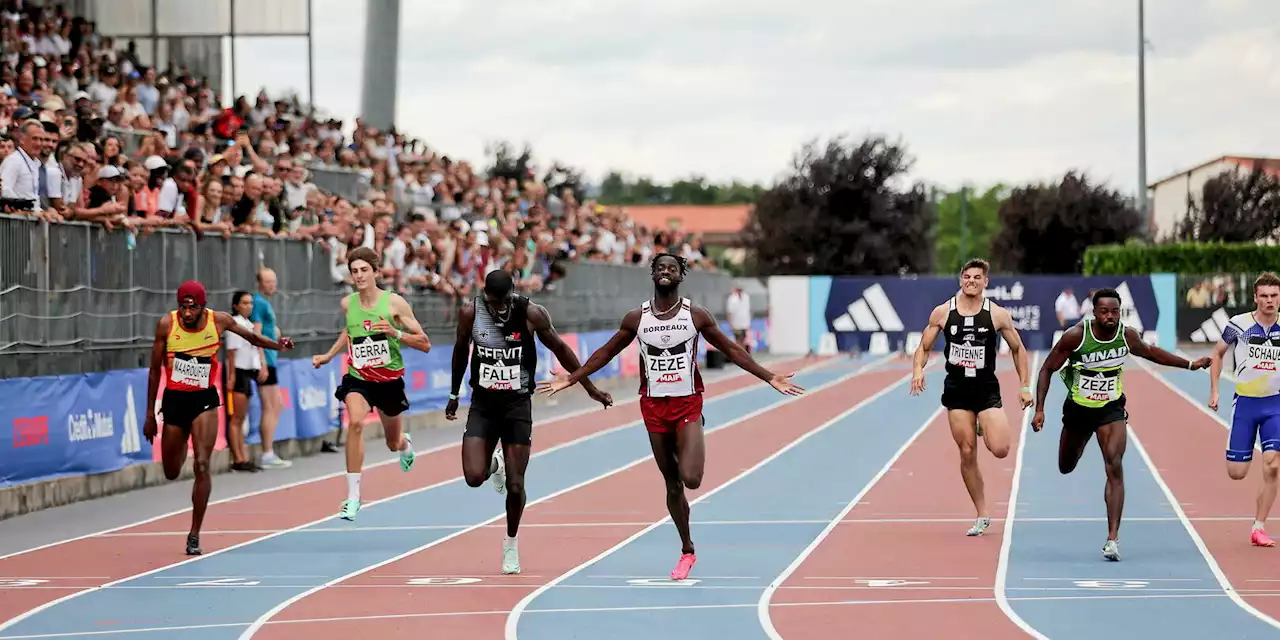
point(979, 527)
point(498, 472)
point(1111, 550)
point(510, 557)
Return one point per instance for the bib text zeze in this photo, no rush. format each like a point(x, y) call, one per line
point(191, 372)
point(375, 352)
point(1099, 387)
point(667, 369)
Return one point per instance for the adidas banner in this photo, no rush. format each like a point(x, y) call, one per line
point(881, 314)
point(1205, 325)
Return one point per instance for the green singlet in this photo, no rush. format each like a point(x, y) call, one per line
point(374, 356)
point(1093, 370)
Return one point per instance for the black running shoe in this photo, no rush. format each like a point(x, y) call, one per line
point(193, 545)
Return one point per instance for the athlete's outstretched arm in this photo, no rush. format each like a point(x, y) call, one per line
point(158, 347)
point(1229, 336)
point(1159, 356)
point(1004, 324)
point(921, 357)
point(540, 322)
point(226, 323)
point(412, 335)
point(706, 325)
point(600, 357)
point(1057, 357)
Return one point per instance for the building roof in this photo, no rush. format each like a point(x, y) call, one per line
point(713, 219)
point(1269, 165)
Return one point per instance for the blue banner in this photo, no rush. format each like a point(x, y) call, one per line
point(857, 309)
point(92, 423)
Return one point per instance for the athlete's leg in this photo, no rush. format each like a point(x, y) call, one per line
point(173, 450)
point(479, 441)
point(204, 435)
point(995, 431)
point(398, 439)
point(1071, 446)
point(1269, 433)
point(1244, 433)
point(1113, 439)
point(691, 452)
point(516, 459)
point(357, 411)
point(963, 431)
point(664, 446)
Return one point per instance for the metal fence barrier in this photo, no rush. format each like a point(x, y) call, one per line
point(76, 298)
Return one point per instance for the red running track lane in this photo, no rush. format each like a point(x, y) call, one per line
point(924, 484)
point(85, 563)
point(1188, 449)
point(633, 497)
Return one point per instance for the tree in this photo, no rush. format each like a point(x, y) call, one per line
point(841, 213)
point(617, 189)
point(1045, 228)
point(504, 163)
point(1234, 206)
point(967, 223)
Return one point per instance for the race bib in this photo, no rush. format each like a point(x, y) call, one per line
point(191, 371)
point(1098, 388)
point(370, 351)
point(499, 377)
point(667, 369)
point(969, 357)
point(1263, 357)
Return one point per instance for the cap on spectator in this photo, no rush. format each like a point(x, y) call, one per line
point(482, 239)
point(111, 172)
point(54, 103)
point(80, 95)
point(22, 113)
point(154, 162)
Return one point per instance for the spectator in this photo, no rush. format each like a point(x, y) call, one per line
point(738, 308)
point(264, 323)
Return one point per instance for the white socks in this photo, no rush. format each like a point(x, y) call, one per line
point(353, 486)
point(1258, 526)
point(509, 543)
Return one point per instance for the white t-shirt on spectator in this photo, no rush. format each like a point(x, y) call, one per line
point(337, 271)
point(738, 309)
point(19, 176)
point(247, 356)
point(53, 173)
point(393, 256)
point(170, 198)
point(1067, 306)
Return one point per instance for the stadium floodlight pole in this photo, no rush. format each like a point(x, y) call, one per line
point(1142, 122)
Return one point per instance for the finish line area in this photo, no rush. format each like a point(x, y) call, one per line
point(838, 512)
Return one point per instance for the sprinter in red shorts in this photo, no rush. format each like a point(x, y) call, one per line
point(668, 328)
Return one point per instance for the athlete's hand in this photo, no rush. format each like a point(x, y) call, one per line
point(383, 327)
point(601, 397)
point(150, 429)
point(451, 409)
point(285, 344)
point(552, 387)
point(1037, 421)
point(1202, 363)
point(1026, 400)
point(917, 382)
point(320, 360)
point(1213, 400)
point(784, 385)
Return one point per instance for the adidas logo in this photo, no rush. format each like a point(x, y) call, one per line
point(871, 312)
point(1211, 329)
point(131, 441)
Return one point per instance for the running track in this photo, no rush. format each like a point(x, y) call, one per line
point(839, 511)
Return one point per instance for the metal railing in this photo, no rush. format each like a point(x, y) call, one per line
point(76, 298)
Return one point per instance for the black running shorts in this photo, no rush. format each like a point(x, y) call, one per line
point(974, 397)
point(507, 419)
point(387, 397)
point(181, 408)
point(1079, 417)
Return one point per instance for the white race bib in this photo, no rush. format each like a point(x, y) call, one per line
point(373, 351)
point(667, 369)
point(189, 371)
point(969, 357)
point(1263, 357)
point(1098, 388)
point(499, 377)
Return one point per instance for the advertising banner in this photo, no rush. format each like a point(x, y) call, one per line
point(890, 313)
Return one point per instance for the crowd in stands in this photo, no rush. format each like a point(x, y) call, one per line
point(88, 133)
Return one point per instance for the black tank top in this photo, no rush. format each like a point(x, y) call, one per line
point(505, 359)
point(971, 345)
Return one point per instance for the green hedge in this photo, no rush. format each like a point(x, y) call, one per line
point(1188, 257)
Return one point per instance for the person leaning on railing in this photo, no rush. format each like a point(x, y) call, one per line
point(20, 174)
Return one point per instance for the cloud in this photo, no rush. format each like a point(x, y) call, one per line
point(980, 90)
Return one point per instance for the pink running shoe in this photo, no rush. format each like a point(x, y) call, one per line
point(1259, 539)
point(683, 567)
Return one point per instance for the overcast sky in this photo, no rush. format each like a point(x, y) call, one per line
point(980, 90)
